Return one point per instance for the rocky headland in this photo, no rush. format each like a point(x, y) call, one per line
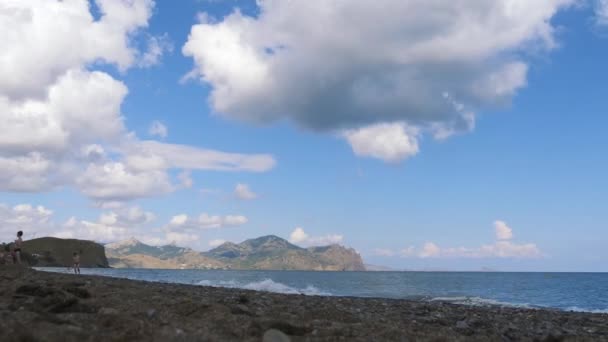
point(263, 253)
point(41, 306)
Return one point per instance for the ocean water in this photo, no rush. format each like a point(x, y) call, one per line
point(564, 291)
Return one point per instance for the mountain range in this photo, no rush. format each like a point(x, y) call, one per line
point(263, 253)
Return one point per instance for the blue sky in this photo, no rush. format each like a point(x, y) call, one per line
point(423, 140)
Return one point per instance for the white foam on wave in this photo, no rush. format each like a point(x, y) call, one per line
point(266, 285)
point(479, 301)
point(577, 309)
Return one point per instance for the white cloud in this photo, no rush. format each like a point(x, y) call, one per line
point(206, 221)
point(430, 250)
point(27, 173)
point(158, 129)
point(157, 46)
point(111, 226)
point(501, 248)
point(32, 220)
point(503, 232)
point(389, 142)
point(243, 192)
point(179, 220)
point(391, 65)
point(61, 122)
point(193, 158)
point(216, 242)
point(37, 221)
point(35, 33)
point(601, 12)
point(114, 181)
point(299, 237)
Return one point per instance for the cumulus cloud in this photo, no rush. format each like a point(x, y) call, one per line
point(35, 33)
point(502, 248)
point(37, 221)
point(206, 221)
point(111, 226)
point(389, 142)
point(243, 192)
point(158, 129)
point(425, 65)
point(61, 121)
point(114, 181)
point(299, 237)
point(185, 230)
point(503, 232)
point(32, 220)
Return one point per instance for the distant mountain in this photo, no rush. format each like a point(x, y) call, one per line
point(266, 252)
point(132, 253)
point(133, 246)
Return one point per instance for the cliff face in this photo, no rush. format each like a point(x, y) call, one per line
point(267, 252)
point(54, 252)
point(342, 258)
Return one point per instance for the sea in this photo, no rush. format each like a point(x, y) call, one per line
point(585, 292)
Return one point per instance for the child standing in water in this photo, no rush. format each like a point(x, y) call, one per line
point(76, 259)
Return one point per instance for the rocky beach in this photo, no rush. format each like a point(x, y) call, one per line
point(44, 306)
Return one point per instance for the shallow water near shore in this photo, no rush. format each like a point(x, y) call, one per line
point(564, 291)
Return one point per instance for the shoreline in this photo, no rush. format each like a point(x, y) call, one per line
point(41, 305)
point(473, 300)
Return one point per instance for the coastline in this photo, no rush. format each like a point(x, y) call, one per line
point(37, 305)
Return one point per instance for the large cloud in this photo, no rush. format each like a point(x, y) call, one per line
point(335, 65)
point(61, 120)
point(110, 226)
point(26, 217)
point(46, 38)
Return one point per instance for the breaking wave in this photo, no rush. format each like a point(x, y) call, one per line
point(478, 301)
point(266, 285)
point(577, 309)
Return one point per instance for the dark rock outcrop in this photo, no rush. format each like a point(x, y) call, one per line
point(55, 252)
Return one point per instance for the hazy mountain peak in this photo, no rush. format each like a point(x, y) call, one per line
point(124, 243)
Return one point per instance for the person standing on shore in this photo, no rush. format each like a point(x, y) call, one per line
point(17, 250)
point(76, 259)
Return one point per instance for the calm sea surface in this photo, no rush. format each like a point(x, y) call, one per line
point(566, 291)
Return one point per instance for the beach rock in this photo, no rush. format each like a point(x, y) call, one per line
point(274, 335)
point(241, 310)
point(462, 325)
point(151, 313)
point(78, 292)
point(108, 311)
